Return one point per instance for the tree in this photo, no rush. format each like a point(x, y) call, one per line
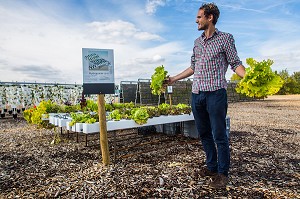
point(296, 78)
point(291, 84)
point(285, 89)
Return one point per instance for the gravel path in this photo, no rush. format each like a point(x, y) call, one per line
point(265, 145)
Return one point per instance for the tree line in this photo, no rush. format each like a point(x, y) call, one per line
point(291, 83)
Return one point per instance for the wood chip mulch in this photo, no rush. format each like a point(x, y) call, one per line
point(265, 160)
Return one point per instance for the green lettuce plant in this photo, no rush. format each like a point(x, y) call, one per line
point(140, 115)
point(157, 80)
point(83, 118)
point(259, 81)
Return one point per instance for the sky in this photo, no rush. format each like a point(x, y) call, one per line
point(42, 40)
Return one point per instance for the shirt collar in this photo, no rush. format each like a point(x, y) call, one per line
point(215, 33)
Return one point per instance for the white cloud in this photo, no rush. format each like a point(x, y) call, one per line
point(284, 55)
point(119, 32)
point(35, 42)
point(142, 62)
point(36, 47)
point(239, 7)
point(152, 5)
point(156, 59)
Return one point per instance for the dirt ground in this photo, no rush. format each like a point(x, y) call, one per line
point(265, 159)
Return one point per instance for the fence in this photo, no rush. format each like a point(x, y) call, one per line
point(20, 95)
point(140, 93)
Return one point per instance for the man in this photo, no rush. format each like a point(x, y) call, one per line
point(212, 53)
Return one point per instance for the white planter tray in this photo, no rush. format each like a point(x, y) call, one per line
point(78, 127)
point(63, 122)
point(90, 128)
point(68, 126)
point(54, 116)
point(56, 121)
point(127, 124)
point(51, 118)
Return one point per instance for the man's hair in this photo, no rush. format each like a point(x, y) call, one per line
point(211, 9)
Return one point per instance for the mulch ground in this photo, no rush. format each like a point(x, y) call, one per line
point(265, 159)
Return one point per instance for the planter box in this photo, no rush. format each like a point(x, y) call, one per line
point(78, 127)
point(56, 121)
point(53, 116)
point(75, 128)
point(91, 128)
point(63, 122)
point(128, 124)
point(68, 126)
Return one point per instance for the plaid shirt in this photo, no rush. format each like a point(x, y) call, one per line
point(210, 61)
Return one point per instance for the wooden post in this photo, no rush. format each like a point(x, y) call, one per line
point(103, 130)
point(170, 91)
point(170, 98)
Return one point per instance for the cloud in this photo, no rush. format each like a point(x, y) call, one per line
point(43, 49)
point(156, 59)
point(240, 8)
point(47, 38)
point(142, 62)
point(119, 32)
point(284, 55)
point(38, 72)
point(32, 73)
point(151, 6)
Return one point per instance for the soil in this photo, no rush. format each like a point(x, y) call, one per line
point(265, 159)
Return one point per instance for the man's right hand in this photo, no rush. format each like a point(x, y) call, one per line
point(186, 73)
point(170, 80)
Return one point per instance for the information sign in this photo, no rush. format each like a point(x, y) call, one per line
point(98, 71)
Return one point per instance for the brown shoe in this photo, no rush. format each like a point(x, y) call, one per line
point(204, 172)
point(219, 182)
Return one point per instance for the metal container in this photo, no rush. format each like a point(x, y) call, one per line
point(190, 129)
point(171, 128)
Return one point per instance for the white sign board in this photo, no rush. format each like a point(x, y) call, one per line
point(98, 65)
point(170, 89)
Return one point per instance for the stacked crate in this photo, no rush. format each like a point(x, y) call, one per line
point(144, 93)
point(128, 91)
point(181, 93)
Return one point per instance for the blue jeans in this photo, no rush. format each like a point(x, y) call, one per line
point(210, 109)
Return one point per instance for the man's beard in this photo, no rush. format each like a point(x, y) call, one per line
point(204, 27)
